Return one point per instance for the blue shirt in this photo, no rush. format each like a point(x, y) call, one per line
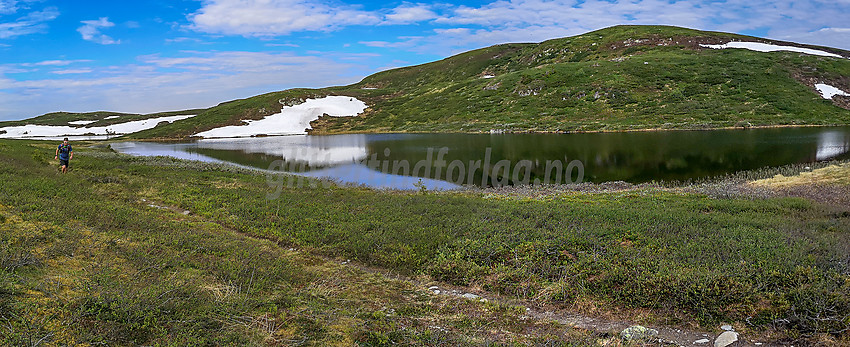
point(65, 151)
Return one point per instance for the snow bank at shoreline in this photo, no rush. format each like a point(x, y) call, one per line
point(765, 47)
point(52, 131)
point(292, 120)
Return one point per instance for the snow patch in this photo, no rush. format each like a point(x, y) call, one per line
point(82, 122)
point(765, 47)
point(36, 131)
point(828, 91)
point(292, 120)
point(111, 117)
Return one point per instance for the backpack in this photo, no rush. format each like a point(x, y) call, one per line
point(64, 150)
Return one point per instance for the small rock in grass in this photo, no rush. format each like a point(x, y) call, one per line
point(725, 339)
point(701, 341)
point(470, 296)
point(637, 332)
point(433, 288)
point(726, 327)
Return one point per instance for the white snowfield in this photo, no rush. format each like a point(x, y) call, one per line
point(828, 91)
point(765, 47)
point(36, 131)
point(111, 117)
point(292, 120)
point(82, 122)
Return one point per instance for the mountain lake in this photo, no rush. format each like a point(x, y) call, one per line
point(446, 161)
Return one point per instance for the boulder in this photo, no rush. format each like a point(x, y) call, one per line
point(725, 339)
point(637, 332)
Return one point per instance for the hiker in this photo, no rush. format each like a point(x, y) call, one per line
point(64, 153)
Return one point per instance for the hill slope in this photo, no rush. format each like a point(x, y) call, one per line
point(618, 78)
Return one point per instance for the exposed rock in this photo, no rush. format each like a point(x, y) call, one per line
point(726, 327)
point(725, 339)
point(638, 332)
point(701, 341)
point(470, 296)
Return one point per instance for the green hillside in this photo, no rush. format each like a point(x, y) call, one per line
point(613, 79)
point(100, 117)
point(618, 78)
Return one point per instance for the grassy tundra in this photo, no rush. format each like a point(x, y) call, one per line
point(85, 258)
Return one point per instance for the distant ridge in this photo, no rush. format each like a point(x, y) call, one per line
point(618, 78)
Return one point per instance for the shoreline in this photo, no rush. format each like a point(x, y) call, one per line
point(313, 133)
point(588, 131)
point(321, 133)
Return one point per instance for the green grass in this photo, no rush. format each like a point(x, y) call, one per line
point(591, 82)
point(84, 261)
point(766, 263)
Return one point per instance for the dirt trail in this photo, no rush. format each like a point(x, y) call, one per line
point(666, 335)
point(601, 325)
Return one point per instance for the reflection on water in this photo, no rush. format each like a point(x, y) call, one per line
point(398, 160)
point(314, 151)
point(832, 144)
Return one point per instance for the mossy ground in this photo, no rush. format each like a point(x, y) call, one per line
point(833, 174)
point(85, 250)
point(84, 261)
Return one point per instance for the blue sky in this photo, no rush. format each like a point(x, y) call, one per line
point(148, 56)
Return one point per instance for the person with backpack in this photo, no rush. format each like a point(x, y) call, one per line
point(64, 153)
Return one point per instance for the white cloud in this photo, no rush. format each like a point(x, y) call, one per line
point(56, 62)
point(463, 27)
point(503, 21)
point(834, 37)
point(262, 18)
point(407, 14)
point(33, 22)
point(382, 44)
point(273, 18)
point(8, 6)
point(291, 45)
point(91, 31)
point(71, 71)
point(159, 83)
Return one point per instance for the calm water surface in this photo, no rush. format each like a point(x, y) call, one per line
point(399, 160)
